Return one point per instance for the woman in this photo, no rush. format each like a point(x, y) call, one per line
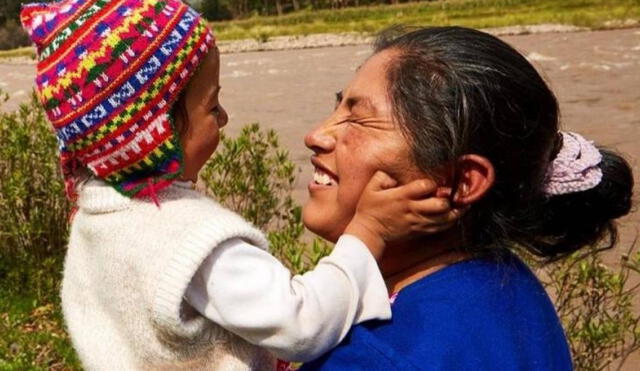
point(471, 113)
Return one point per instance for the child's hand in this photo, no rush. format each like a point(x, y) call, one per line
point(385, 214)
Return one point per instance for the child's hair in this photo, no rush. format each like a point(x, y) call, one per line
point(180, 114)
point(458, 91)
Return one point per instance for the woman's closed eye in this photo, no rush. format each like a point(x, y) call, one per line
point(339, 97)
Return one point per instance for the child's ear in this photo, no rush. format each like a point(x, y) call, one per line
point(474, 177)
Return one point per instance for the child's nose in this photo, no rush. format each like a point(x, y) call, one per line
point(223, 118)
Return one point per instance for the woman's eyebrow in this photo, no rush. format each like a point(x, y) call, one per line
point(359, 101)
point(356, 101)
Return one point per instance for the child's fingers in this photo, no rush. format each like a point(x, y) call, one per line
point(381, 181)
point(438, 228)
point(419, 188)
point(443, 192)
point(429, 206)
point(440, 219)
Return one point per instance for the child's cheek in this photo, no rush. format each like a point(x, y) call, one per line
point(216, 143)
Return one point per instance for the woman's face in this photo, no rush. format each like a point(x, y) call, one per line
point(206, 116)
point(358, 139)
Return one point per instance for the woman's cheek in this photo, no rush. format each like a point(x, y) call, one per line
point(357, 162)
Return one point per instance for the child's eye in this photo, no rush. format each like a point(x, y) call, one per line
point(215, 110)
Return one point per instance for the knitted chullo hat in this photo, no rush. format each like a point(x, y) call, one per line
point(108, 73)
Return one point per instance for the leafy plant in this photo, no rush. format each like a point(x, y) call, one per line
point(261, 37)
point(254, 176)
point(33, 208)
point(33, 236)
point(12, 35)
point(595, 304)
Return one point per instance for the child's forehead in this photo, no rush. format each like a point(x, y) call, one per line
point(206, 83)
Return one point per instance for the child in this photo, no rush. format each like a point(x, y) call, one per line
point(158, 276)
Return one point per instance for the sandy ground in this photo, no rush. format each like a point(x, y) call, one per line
point(596, 76)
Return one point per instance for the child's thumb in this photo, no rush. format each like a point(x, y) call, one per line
point(381, 181)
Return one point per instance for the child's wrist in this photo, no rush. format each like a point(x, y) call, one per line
point(373, 240)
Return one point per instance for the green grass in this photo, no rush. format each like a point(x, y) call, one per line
point(32, 331)
point(470, 13)
point(27, 51)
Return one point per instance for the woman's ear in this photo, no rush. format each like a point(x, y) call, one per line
point(475, 175)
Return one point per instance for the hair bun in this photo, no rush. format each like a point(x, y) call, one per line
point(583, 218)
point(615, 191)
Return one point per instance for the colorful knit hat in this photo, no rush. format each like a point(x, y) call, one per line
point(108, 73)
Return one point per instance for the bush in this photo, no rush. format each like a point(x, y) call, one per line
point(13, 36)
point(595, 304)
point(33, 208)
point(33, 235)
point(255, 177)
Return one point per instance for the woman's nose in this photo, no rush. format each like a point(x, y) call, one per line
point(320, 139)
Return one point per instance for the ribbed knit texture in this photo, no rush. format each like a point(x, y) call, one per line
point(123, 288)
point(108, 73)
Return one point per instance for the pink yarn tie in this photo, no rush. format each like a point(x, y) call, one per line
point(575, 167)
point(152, 192)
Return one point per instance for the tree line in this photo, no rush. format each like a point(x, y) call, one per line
point(217, 10)
point(12, 35)
point(230, 9)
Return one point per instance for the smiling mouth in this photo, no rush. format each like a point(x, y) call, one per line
point(323, 178)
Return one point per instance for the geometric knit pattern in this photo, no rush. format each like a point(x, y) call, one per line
point(108, 74)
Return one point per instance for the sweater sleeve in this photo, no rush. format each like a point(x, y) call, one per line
point(250, 293)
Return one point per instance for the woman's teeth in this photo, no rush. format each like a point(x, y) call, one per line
point(320, 177)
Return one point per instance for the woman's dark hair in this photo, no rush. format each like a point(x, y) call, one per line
point(457, 91)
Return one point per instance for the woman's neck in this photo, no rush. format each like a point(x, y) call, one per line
point(408, 261)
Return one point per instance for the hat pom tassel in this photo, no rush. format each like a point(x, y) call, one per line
point(33, 18)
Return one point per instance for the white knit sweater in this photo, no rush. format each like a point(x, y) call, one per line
point(128, 268)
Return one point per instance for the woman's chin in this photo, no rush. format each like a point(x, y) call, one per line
point(322, 231)
point(318, 223)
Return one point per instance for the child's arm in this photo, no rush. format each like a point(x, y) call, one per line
point(247, 291)
point(250, 293)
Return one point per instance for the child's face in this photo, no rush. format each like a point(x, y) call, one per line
point(205, 116)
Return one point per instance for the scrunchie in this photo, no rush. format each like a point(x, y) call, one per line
point(575, 168)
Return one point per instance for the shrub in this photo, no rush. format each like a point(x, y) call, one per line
point(255, 177)
point(595, 304)
point(12, 35)
point(33, 235)
point(33, 208)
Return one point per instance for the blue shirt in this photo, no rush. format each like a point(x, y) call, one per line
point(479, 314)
